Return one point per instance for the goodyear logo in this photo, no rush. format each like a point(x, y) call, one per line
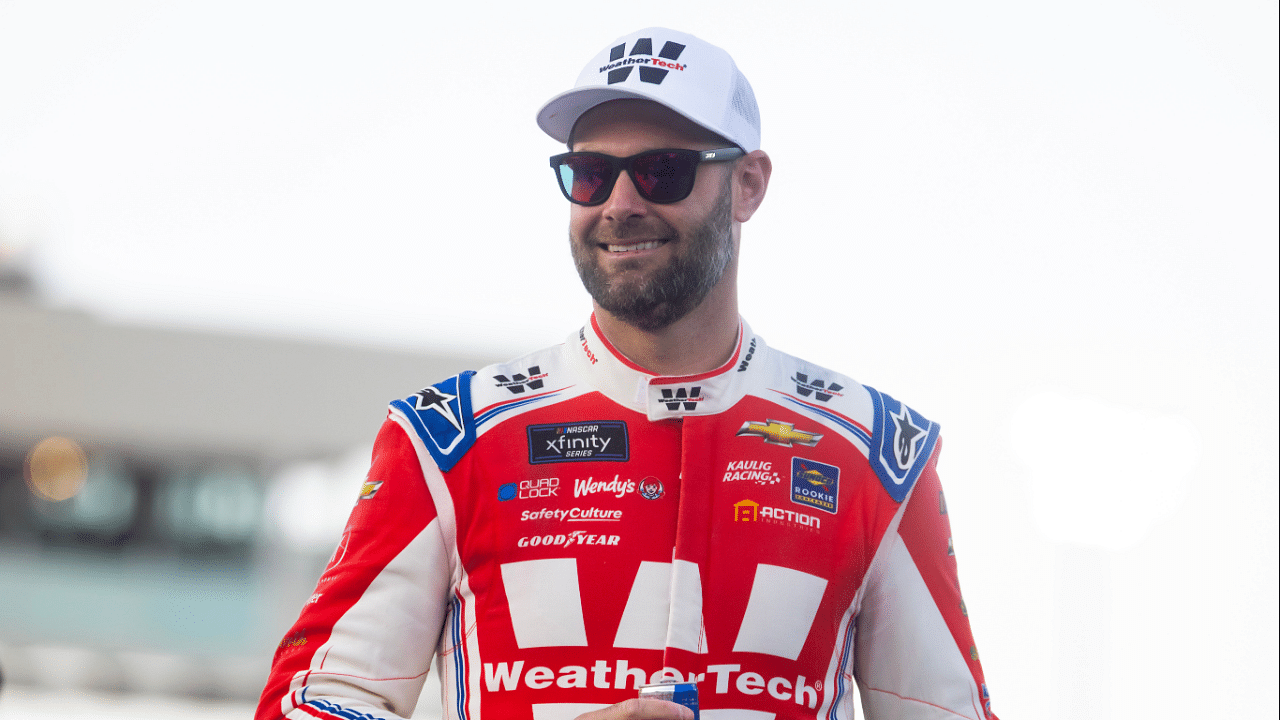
point(815, 484)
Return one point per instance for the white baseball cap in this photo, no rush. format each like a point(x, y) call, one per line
point(692, 77)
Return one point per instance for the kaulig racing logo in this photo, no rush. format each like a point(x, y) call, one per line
point(652, 69)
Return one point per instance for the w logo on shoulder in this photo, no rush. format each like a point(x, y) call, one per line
point(652, 69)
point(818, 388)
point(519, 381)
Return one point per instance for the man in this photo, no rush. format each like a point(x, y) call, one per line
point(661, 498)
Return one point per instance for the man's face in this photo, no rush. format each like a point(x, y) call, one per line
point(649, 264)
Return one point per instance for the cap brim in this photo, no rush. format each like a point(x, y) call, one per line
point(561, 113)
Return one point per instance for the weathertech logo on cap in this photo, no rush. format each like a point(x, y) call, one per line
point(652, 69)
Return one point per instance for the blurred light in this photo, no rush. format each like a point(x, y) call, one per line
point(221, 504)
point(56, 469)
point(308, 503)
point(104, 505)
point(1102, 474)
point(226, 505)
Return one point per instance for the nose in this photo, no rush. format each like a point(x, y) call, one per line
point(624, 202)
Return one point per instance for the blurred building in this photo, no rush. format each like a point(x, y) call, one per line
point(168, 497)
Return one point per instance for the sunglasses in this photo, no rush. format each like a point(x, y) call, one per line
point(660, 176)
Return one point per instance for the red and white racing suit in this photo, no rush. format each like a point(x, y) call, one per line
point(563, 528)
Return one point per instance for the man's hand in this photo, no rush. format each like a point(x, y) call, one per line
point(641, 709)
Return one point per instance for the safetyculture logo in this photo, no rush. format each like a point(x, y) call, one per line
point(604, 440)
point(575, 514)
point(815, 484)
point(519, 381)
point(652, 69)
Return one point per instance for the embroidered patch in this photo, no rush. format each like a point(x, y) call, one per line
point(815, 484)
point(594, 440)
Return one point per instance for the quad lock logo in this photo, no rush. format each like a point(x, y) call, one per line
point(688, 397)
point(652, 69)
point(817, 388)
point(529, 489)
point(602, 440)
point(519, 381)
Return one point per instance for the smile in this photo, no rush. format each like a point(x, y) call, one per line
point(635, 246)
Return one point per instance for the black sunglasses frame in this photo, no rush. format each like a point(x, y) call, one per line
point(617, 165)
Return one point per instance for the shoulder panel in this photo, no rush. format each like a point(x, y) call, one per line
point(441, 415)
point(901, 442)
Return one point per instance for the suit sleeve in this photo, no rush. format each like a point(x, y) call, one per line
point(915, 654)
point(363, 643)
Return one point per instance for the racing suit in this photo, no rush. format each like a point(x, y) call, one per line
point(563, 528)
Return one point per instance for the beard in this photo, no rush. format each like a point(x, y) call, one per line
point(652, 302)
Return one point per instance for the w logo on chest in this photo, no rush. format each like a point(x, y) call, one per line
point(688, 397)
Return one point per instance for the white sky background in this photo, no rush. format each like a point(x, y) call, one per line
point(1055, 222)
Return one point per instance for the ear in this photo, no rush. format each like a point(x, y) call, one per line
point(751, 180)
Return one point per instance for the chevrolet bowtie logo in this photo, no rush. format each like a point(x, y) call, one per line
point(779, 433)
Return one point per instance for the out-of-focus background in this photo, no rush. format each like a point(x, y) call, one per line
point(231, 231)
